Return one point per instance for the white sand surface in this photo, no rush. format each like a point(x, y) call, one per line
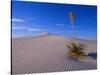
point(47, 53)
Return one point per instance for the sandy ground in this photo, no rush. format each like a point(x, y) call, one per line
point(47, 53)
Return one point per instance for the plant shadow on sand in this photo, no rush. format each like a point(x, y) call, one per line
point(93, 55)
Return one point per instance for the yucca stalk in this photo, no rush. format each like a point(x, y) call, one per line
point(72, 19)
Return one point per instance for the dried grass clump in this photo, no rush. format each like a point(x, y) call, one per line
point(76, 50)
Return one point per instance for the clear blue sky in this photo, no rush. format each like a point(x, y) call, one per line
point(32, 18)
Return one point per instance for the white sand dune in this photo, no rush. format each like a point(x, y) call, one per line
point(47, 53)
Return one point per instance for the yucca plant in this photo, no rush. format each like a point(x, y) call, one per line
point(76, 50)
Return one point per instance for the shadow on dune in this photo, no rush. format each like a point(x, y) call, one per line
point(93, 55)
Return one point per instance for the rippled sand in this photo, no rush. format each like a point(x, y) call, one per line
point(47, 53)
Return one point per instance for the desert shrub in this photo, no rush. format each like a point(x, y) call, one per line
point(76, 50)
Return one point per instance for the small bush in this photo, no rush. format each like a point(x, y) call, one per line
point(76, 50)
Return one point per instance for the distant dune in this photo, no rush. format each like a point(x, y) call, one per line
point(47, 53)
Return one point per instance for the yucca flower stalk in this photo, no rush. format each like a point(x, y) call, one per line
point(72, 19)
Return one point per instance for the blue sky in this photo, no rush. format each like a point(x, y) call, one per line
point(32, 18)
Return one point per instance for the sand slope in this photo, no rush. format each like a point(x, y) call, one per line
point(47, 53)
